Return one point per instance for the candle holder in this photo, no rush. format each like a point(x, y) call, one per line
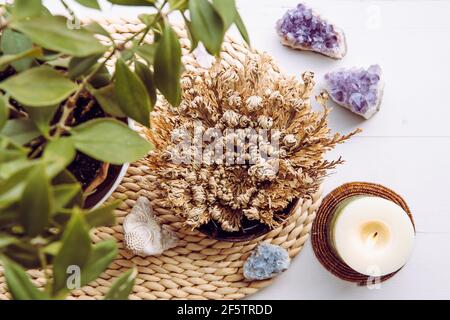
point(320, 234)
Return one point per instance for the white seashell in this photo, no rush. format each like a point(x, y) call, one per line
point(144, 236)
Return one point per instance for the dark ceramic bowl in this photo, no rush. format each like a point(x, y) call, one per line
point(251, 229)
point(116, 173)
point(107, 187)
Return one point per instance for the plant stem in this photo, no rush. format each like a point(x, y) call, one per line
point(157, 17)
point(69, 10)
point(72, 101)
point(43, 261)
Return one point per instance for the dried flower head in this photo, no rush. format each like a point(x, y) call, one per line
point(254, 179)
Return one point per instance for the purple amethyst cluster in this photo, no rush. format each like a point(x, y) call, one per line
point(301, 28)
point(357, 89)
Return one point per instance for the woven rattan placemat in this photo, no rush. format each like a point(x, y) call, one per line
point(198, 268)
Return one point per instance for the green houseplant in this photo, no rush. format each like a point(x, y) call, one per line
point(62, 111)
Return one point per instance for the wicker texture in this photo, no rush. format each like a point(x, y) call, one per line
point(320, 230)
point(199, 268)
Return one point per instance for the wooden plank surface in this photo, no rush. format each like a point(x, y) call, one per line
point(406, 146)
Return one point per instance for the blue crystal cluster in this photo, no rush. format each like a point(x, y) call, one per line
point(266, 261)
point(357, 89)
point(301, 28)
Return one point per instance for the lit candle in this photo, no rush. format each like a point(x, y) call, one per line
point(372, 235)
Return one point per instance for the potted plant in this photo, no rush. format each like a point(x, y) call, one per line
point(246, 148)
point(64, 139)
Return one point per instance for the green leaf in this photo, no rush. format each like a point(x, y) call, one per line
point(127, 54)
point(42, 118)
point(131, 94)
point(6, 240)
point(134, 2)
point(66, 177)
point(147, 52)
point(107, 99)
point(4, 111)
point(101, 256)
point(27, 8)
point(181, 5)
point(58, 61)
point(168, 66)
point(18, 61)
point(81, 66)
point(18, 47)
point(241, 27)
point(103, 216)
point(207, 25)
point(24, 254)
point(64, 194)
point(12, 188)
point(8, 168)
point(8, 216)
point(192, 38)
point(52, 33)
point(148, 18)
point(10, 150)
point(45, 12)
point(101, 78)
point(89, 3)
point(39, 87)
point(227, 10)
point(110, 141)
point(123, 286)
point(75, 250)
point(52, 248)
point(96, 28)
point(58, 154)
point(36, 203)
point(19, 284)
point(146, 76)
point(20, 131)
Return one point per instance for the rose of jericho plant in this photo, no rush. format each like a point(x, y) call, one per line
point(247, 97)
point(52, 74)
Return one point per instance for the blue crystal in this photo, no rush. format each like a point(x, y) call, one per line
point(266, 261)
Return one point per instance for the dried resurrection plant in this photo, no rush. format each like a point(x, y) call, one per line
point(261, 182)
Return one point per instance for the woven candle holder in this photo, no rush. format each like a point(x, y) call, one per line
point(320, 232)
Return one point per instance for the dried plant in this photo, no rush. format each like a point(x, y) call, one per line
point(253, 95)
point(59, 130)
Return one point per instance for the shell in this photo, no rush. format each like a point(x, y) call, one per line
point(144, 235)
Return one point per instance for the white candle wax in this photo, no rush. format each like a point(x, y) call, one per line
point(372, 235)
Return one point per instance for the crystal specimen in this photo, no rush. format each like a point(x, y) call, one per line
point(266, 261)
point(144, 236)
point(357, 89)
point(301, 28)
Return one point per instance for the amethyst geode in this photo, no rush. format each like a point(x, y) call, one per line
point(357, 89)
point(301, 28)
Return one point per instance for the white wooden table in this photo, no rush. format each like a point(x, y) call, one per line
point(406, 146)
